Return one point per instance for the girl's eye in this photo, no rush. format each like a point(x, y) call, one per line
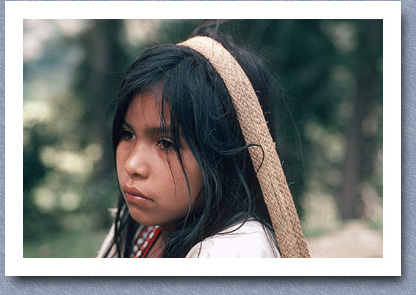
point(126, 134)
point(165, 144)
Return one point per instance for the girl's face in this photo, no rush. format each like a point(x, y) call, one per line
point(149, 173)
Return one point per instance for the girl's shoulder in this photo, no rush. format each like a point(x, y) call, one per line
point(245, 240)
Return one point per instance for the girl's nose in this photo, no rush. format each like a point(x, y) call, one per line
point(137, 164)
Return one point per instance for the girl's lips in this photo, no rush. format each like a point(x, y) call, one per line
point(134, 195)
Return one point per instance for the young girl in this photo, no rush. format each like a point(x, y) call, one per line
point(191, 178)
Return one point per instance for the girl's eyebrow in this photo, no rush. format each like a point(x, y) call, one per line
point(152, 130)
point(127, 125)
point(157, 130)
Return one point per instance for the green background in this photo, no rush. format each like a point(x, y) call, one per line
point(329, 126)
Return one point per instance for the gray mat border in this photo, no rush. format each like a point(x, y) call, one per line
point(251, 285)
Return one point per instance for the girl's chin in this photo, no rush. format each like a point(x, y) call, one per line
point(143, 221)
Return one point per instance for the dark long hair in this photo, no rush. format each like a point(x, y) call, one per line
point(201, 107)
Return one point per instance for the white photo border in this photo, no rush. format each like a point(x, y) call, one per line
point(388, 11)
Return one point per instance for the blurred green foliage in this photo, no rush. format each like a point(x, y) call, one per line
point(329, 120)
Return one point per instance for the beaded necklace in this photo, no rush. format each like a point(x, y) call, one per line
point(145, 239)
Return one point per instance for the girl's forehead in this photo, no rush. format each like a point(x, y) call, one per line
point(146, 108)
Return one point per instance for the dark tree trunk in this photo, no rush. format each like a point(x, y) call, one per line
point(350, 197)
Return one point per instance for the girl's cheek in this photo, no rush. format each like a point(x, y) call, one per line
point(122, 155)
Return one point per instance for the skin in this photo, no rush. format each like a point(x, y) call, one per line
point(149, 173)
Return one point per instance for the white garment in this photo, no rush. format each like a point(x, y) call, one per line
point(251, 240)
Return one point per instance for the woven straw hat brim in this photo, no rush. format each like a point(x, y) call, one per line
point(265, 159)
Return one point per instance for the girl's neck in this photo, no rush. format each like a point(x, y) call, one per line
point(157, 249)
point(165, 233)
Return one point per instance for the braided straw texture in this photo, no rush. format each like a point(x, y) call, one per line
point(255, 131)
